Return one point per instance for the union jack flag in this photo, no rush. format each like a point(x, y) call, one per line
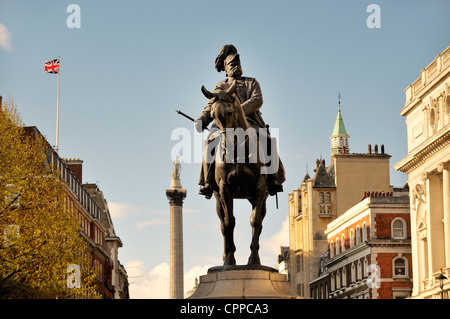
point(51, 66)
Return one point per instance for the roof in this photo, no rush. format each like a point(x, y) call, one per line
point(322, 179)
point(339, 127)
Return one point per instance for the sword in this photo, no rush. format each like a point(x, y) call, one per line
point(186, 116)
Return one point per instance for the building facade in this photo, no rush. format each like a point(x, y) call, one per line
point(319, 200)
point(369, 251)
point(119, 277)
point(427, 117)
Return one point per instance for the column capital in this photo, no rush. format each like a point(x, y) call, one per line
point(443, 166)
point(176, 196)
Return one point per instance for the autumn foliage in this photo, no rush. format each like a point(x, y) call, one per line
point(39, 234)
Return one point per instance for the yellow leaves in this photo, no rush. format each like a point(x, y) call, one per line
point(34, 259)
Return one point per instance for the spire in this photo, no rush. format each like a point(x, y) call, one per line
point(339, 137)
point(339, 127)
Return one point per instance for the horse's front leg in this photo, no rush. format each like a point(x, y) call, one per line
point(256, 219)
point(224, 208)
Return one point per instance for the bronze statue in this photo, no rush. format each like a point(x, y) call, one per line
point(249, 94)
point(234, 107)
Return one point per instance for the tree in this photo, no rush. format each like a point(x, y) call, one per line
point(40, 241)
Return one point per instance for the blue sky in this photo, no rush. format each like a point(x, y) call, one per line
point(131, 64)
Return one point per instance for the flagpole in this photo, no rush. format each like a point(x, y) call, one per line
point(57, 113)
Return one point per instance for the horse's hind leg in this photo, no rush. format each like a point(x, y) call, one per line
point(224, 210)
point(256, 219)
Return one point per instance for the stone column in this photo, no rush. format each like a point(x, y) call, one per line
point(176, 194)
point(446, 208)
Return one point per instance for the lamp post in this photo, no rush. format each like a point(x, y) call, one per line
point(441, 278)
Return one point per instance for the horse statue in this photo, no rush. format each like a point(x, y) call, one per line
point(234, 176)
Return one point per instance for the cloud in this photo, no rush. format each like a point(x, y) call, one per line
point(154, 284)
point(152, 222)
point(271, 246)
point(122, 210)
point(5, 38)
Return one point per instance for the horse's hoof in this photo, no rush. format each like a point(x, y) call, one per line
point(254, 260)
point(229, 261)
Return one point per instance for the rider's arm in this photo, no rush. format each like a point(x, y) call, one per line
point(204, 119)
point(255, 101)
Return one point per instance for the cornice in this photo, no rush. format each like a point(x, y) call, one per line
point(424, 151)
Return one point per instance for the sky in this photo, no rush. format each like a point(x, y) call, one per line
point(128, 65)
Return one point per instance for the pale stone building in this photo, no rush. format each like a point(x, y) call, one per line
point(328, 194)
point(427, 113)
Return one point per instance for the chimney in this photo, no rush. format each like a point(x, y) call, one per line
point(369, 149)
point(76, 167)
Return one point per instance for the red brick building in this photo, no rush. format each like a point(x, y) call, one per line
point(88, 211)
point(369, 251)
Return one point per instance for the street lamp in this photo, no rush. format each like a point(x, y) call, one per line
point(441, 278)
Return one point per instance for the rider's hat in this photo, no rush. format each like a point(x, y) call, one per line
point(228, 53)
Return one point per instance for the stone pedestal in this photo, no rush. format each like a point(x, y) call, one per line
point(244, 282)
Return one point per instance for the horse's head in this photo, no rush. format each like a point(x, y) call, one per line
point(223, 107)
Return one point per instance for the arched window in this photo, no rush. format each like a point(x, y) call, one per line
point(353, 273)
point(400, 267)
point(398, 228)
point(321, 198)
point(327, 198)
point(358, 269)
point(343, 243)
point(344, 277)
point(366, 267)
point(338, 279)
point(352, 238)
point(364, 232)
point(333, 283)
point(337, 246)
point(331, 249)
point(358, 235)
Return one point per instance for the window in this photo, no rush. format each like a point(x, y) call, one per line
point(352, 238)
point(327, 198)
point(366, 267)
point(343, 243)
point(344, 277)
point(299, 261)
point(337, 246)
point(321, 198)
point(398, 228)
point(331, 249)
point(353, 273)
point(400, 269)
point(358, 235)
point(364, 232)
point(359, 270)
point(333, 283)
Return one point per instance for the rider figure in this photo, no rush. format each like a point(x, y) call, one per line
point(249, 93)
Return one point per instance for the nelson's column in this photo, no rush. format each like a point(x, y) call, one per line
point(176, 194)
